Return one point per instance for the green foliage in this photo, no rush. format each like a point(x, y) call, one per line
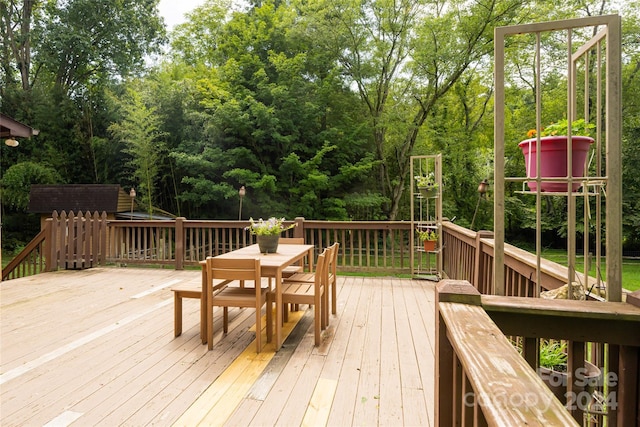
point(425, 181)
point(83, 41)
point(561, 127)
point(139, 132)
point(426, 234)
point(553, 353)
point(314, 107)
point(17, 181)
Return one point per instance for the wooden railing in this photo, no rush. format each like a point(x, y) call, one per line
point(364, 245)
point(468, 255)
point(30, 260)
point(373, 246)
point(481, 379)
point(66, 241)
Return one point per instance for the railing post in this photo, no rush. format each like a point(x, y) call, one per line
point(299, 230)
point(459, 291)
point(478, 268)
point(49, 245)
point(180, 247)
point(628, 384)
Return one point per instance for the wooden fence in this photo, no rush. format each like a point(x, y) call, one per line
point(67, 241)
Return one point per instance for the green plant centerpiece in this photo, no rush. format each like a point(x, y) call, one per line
point(429, 238)
point(553, 154)
point(268, 232)
point(427, 185)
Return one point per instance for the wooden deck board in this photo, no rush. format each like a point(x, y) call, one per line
point(368, 394)
point(78, 348)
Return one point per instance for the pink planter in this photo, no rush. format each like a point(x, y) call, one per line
point(553, 160)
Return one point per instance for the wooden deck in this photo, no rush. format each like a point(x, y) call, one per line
point(96, 347)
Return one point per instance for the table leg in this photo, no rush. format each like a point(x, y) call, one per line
point(203, 306)
point(278, 319)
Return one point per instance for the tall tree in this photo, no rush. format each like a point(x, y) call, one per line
point(271, 104)
point(15, 36)
point(407, 55)
point(139, 131)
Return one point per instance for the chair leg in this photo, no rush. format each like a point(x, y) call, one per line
point(203, 319)
point(177, 313)
point(209, 324)
point(324, 304)
point(269, 318)
point(317, 323)
point(225, 316)
point(334, 299)
point(258, 327)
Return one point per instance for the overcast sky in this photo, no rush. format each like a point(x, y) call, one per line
point(173, 10)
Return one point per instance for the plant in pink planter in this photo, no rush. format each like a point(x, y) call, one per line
point(553, 154)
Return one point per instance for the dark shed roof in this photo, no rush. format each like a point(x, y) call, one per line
point(81, 197)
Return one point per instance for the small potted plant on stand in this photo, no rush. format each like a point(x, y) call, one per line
point(429, 238)
point(553, 153)
point(427, 185)
point(268, 233)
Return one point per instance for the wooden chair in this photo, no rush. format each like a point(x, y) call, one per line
point(298, 267)
point(191, 290)
point(186, 291)
point(312, 293)
point(243, 270)
point(333, 281)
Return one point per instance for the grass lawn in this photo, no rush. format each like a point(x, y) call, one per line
point(630, 267)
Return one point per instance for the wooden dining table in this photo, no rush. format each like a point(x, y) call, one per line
point(271, 266)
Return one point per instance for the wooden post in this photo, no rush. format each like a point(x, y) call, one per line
point(628, 397)
point(49, 245)
point(445, 390)
point(180, 247)
point(299, 230)
point(103, 237)
point(628, 403)
point(575, 361)
point(478, 265)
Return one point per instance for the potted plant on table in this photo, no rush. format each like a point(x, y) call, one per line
point(427, 185)
point(268, 232)
point(429, 238)
point(553, 153)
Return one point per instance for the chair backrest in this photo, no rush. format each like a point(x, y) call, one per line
point(321, 276)
point(234, 269)
point(292, 240)
point(333, 258)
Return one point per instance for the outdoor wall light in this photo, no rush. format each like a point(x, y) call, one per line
point(11, 142)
